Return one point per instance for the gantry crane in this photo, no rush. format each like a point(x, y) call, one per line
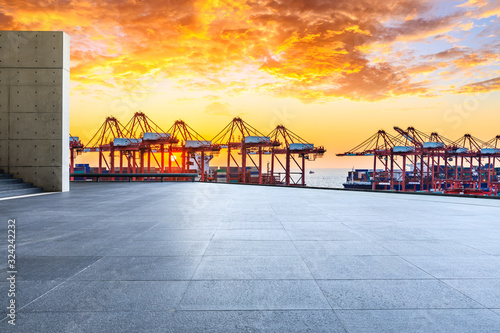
point(291, 144)
point(380, 145)
point(240, 136)
point(151, 139)
point(111, 136)
point(491, 150)
point(190, 144)
point(75, 149)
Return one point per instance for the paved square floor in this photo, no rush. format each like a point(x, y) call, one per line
point(193, 257)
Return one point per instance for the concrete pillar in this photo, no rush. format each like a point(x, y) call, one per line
point(34, 107)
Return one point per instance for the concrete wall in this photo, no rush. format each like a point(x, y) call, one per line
point(34, 107)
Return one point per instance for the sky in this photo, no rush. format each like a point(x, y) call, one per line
point(333, 72)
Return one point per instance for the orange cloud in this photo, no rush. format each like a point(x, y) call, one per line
point(470, 60)
point(481, 87)
point(450, 53)
point(421, 28)
point(219, 109)
point(313, 50)
point(484, 8)
point(422, 69)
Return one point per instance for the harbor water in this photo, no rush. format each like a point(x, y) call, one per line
point(328, 177)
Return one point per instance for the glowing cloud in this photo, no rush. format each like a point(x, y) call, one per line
point(312, 50)
point(481, 87)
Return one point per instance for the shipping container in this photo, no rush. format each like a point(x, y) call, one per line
point(490, 151)
point(301, 146)
point(155, 136)
point(123, 142)
point(197, 144)
point(403, 149)
point(433, 145)
point(257, 139)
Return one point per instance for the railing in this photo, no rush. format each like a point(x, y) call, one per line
point(135, 175)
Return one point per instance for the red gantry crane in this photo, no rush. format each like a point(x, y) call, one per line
point(410, 151)
point(151, 138)
point(468, 149)
point(291, 144)
point(379, 145)
point(442, 148)
point(424, 153)
point(75, 149)
point(240, 136)
point(111, 136)
point(191, 146)
point(429, 174)
point(436, 163)
point(491, 150)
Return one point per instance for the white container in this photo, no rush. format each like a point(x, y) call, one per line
point(433, 145)
point(197, 144)
point(155, 136)
point(490, 151)
point(124, 142)
point(459, 150)
point(301, 146)
point(403, 149)
point(257, 139)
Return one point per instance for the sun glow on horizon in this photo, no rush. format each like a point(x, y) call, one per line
point(333, 72)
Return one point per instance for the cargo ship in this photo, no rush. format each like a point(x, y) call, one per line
point(361, 179)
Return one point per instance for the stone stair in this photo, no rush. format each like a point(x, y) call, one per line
point(11, 187)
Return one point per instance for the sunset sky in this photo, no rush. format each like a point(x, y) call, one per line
point(334, 72)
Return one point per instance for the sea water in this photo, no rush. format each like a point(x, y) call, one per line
point(332, 177)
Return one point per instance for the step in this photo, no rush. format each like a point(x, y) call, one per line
point(24, 191)
point(14, 186)
point(4, 181)
point(5, 176)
